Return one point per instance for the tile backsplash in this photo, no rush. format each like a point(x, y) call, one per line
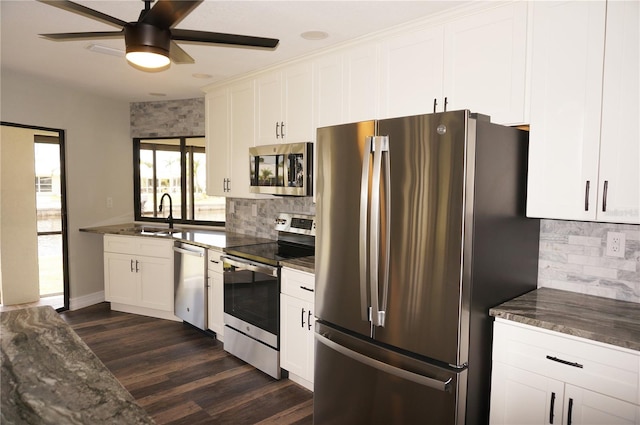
point(240, 217)
point(573, 256)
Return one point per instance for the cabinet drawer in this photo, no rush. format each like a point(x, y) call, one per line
point(298, 284)
point(214, 264)
point(588, 364)
point(120, 244)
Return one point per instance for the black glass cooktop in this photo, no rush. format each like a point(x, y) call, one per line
point(271, 253)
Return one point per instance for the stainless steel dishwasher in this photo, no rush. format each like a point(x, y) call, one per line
point(190, 277)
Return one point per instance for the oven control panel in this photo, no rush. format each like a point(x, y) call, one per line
point(296, 223)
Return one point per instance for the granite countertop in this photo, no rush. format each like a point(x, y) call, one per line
point(305, 264)
point(50, 376)
point(600, 319)
point(214, 239)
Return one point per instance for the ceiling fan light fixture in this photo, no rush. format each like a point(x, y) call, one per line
point(147, 46)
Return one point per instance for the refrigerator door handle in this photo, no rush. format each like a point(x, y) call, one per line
point(381, 150)
point(364, 221)
point(436, 384)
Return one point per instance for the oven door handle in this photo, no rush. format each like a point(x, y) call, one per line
point(259, 268)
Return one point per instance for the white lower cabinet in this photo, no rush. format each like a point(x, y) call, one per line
point(297, 326)
point(215, 294)
point(542, 377)
point(138, 275)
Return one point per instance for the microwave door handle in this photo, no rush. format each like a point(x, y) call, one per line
point(364, 220)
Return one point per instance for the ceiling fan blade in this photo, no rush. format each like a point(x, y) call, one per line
point(63, 36)
point(167, 13)
point(84, 11)
point(179, 56)
point(222, 38)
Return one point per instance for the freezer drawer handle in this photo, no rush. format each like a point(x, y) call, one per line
point(574, 364)
point(392, 370)
point(553, 407)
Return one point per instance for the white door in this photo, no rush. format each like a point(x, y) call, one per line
point(242, 123)
point(156, 282)
point(485, 63)
point(566, 88)
point(120, 280)
point(583, 407)
point(217, 135)
point(298, 104)
point(620, 138)
point(294, 316)
point(328, 90)
point(269, 109)
point(522, 397)
point(361, 73)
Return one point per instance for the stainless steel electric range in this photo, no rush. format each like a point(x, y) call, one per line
point(252, 291)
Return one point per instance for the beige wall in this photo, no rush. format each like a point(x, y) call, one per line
point(18, 227)
point(98, 163)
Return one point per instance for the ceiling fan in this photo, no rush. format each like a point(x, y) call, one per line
point(151, 40)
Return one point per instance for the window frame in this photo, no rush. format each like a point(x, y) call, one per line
point(184, 150)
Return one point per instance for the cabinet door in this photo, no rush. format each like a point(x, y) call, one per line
point(216, 304)
point(294, 343)
point(411, 72)
point(242, 121)
point(217, 139)
point(329, 91)
point(298, 104)
point(566, 87)
point(362, 82)
point(120, 280)
point(485, 63)
point(522, 397)
point(156, 282)
point(269, 108)
point(583, 407)
point(620, 138)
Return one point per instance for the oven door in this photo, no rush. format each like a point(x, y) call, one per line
point(252, 299)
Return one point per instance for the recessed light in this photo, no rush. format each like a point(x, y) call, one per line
point(157, 94)
point(314, 35)
point(201, 75)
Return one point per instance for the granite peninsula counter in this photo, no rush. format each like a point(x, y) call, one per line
point(599, 319)
point(50, 376)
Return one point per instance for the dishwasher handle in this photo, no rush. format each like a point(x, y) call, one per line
point(189, 251)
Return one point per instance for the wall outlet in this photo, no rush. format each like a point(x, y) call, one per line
point(109, 202)
point(615, 244)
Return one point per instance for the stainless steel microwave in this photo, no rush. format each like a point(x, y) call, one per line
point(285, 169)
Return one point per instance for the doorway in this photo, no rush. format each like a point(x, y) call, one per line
point(48, 151)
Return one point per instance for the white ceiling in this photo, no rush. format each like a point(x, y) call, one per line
point(69, 62)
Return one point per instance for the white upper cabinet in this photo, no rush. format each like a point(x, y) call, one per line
point(217, 141)
point(476, 62)
point(285, 105)
point(411, 67)
point(620, 136)
point(583, 153)
point(230, 120)
point(485, 63)
point(328, 90)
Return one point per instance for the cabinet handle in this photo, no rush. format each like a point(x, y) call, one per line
point(552, 408)
point(224, 185)
point(586, 196)
point(228, 185)
point(604, 195)
point(306, 289)
point(446, 102)
point(570, 413)
point(574, 364)
point(131, 263)
point(137, 267)
point(282, 129)
point(277, 130)
point(435, 103)
point(214, 261)
point(309, 320)
point(302, 318)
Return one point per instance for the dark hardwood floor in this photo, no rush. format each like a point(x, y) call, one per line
point(181, 376)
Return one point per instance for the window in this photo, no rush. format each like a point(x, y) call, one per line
point(176, 166)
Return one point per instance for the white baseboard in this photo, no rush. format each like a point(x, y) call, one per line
point(143, 311)
point(86, 300)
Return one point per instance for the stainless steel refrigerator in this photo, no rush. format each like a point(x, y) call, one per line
point(420, 230)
